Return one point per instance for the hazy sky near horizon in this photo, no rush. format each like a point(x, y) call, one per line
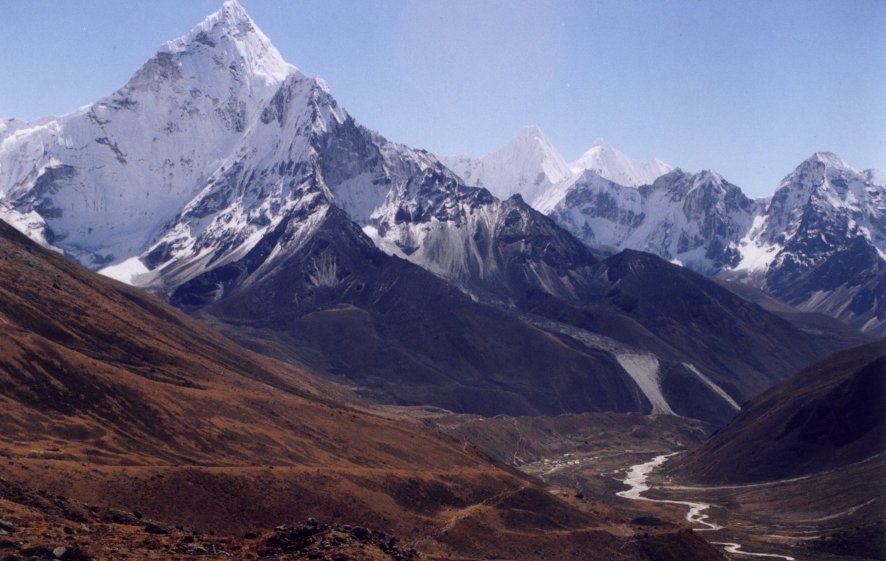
point(749, 88)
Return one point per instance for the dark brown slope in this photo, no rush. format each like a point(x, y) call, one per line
point(686, 320)
point(828, 329)
point(404, 335)
point(408, 337)
point(112, 402)
point(827, 416)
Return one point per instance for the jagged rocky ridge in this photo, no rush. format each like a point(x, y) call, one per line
point(286, 215)
point(818, 244)
point(821, 243)
point(688, 219)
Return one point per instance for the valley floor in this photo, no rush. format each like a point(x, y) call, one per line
point(831, 516)
point(816, 518)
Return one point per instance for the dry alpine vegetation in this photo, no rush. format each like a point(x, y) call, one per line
point(131, 431)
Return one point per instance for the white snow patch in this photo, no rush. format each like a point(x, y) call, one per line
point(756, 255)
point(30, 224)
point(384, 244)
point(129, 271)
point(710, 383)
point(643, 368)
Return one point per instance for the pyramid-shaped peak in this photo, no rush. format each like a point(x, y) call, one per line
point(615, 166)
point(231, 31)
point(829, 159)
point(530, 140)
point(601, 148)
point(600, 142)
point(528, 134)
point(710, 175)
point(706, 179)
point(231, 15)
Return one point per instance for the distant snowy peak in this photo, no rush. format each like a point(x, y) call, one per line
point(615, 166)
point(686, 218)
point(826, 199)
point(829, 159)
point(821, 245)
point(528, 164)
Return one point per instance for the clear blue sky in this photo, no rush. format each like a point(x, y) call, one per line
point(748, 88)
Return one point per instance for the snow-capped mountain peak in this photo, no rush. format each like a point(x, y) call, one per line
point(709, 174)
point(529, 133)
point(825, 180)
point(821, 243)
point(686, 218)
point(829, 159)
point(530, 140)
point(527, 164)
point(708, 179)
point(824, 190)
point(229, 34)
point(615, 166)
point(108, 176)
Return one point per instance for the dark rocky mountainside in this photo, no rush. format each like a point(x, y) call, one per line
point(828, 416)
point(404, 335)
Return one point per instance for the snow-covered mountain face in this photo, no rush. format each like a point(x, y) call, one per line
point(527, 165)
point(107, 177)
point(615, 166)
point(818, 209)
point(123, 184)
point(824, 218)
point(821, 244)
point(608, 163)
point(307, 155)
point(690, 219)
